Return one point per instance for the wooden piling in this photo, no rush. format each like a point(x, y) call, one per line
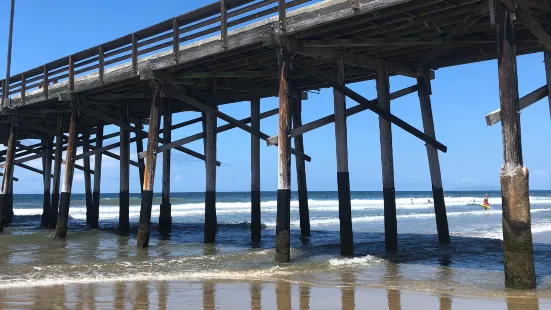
point(547, 59)
point(87, 176)
point(343, 177)
point(517, 235)
point(149, 173)
point(5, 208)
point(283, 217)
point(57, 174)
point(210, 167)
point(139, 149)
point(61, 227)
point(94, 219)
point(165, 214)
point(387, 161)
point(255, 173)
point(124, 194)
point(301, 170)
point(47, 170)
point(434, 162)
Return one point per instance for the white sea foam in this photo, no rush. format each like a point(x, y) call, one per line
point(356, 261)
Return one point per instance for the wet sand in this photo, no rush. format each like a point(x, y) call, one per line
point(248, 295)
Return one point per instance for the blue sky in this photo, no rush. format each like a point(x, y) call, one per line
point(48, 30)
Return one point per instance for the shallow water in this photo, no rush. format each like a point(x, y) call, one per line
point(471, 265)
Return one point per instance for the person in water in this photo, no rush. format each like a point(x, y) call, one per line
point(485, 202)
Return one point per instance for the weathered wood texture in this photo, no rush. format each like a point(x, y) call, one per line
point(65, 199)
point(343, 176)
point(524, 102)
point(256, 227)
point(387, 162)
point(124, 175)
point(47, 170)
point(547, 59)
point(283, 216)
point(210, 169)
point(165, 214)
point(6, 207)
point(87, 176)
point(57, 174)
point(517, 235)
point(434, 162)
point(149, 171)
point(94, 217)
point(139, 149)
point(301, 170)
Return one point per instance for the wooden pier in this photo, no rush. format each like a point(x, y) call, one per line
point(194, 63)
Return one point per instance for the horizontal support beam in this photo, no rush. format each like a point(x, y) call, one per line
point(227, 74)
point(40, 154)
point(137, 131)
point(201, 135)
point(373, 42)
point(526, 101)
point(33, 169)
point(175, 93)
point(14, 178)
point(368, 104)
point(331, 118)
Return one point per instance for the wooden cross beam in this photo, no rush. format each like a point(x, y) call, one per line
point(14, 178)
point(522, 11)
point(348, 112)
point(175, 93)
point(33, 169)
point(481, 10)
point(227, 74)
point(38, 152)
point(368, 104)
point(137, 131)
point(524, 102)
point(201, 135)
point(351, 59)
point(373, 42)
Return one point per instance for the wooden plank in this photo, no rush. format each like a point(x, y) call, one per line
point(518, 255)
point(302, 187)
point(256, 226)
point(65, 201)
point(459, 29)
point(173, 92)
point(524, 102)
point(363, 101)
point(149, 173)
point(283, 215)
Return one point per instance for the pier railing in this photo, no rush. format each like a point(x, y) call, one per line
point(207, 21)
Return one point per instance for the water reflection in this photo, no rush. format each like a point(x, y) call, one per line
point(283, 295)
point(209, 298)
point(256, 297)
point(304, 297)
point(120, 295)
point(141, 299)
point(393, 294)
point(526, 302)
point(348, 291)
point(445, 278)
point(162, 292)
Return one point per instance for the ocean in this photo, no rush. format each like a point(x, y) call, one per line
point(31, 260)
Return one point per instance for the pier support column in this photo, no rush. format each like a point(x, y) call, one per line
point(387, 162)
point(343, 177)
point(124, 195)
point(149, 173)
point(94, 219)
point(47, 169)
point(517, 235)
point(165, 215)
point(301, 169)
point(57, 174)
point(434, 163)
point(547, 59)
point(65, 201)
point(209, 121)
point(283, 217)
point(139, 149)
point(5, 208)
point(87, 176)
point(255, 173)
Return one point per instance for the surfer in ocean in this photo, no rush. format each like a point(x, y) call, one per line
point(485, 203)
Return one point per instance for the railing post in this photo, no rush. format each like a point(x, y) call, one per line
point(176, 40)
point(23, 88)
point(135, 53)
point(71, 74)
point(224, 24)
point(282, 16)
point(101, 63)
point(45, 82)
